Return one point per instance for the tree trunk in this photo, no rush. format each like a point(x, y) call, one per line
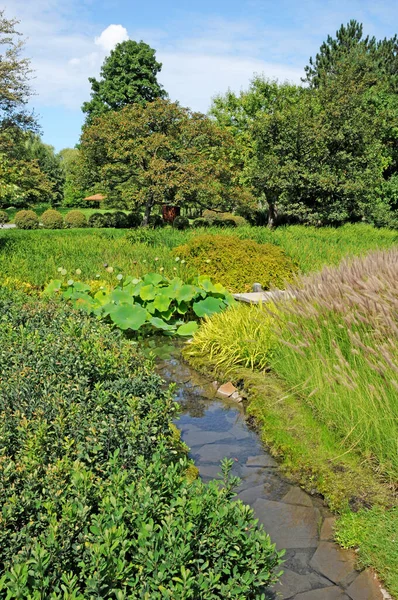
point(272, 215)
point(147, 214)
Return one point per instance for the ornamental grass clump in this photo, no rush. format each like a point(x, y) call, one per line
point(339, 351)
point(237, 263)
point(240, 336)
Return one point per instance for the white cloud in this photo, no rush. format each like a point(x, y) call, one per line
point(112, 35)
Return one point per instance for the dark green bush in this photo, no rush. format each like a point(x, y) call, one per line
point(75, 219)
point(52, 219)
point(97, 220)
point(26, 219)
point(200, 222)
point(4, 218)
point(227, 223)
point(237, 263)
point(134, 219)
point(181, 223)
point(156, 221)
point(118, 219)
point(94, 493)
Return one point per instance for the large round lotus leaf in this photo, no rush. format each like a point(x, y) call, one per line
point(208, 307)
point(188, 328)
point(129, 317)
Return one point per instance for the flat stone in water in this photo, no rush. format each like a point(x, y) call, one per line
point(209, 471)
point(334, 563)
point(263, 460)
point(289, 526)
point(296, 496)
point(250, 495)
point(329, 593)
point(214, 453)
point(201, 437)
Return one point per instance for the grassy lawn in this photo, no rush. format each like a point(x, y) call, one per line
point(34, 256)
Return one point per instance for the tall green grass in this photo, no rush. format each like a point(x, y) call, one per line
point(339, 350)
point(34, 256)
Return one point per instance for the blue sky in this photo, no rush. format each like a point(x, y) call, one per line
point(205, 47)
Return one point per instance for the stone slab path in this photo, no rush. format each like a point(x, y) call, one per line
point(315, 567)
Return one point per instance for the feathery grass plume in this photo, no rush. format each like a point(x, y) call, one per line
point(340, 337)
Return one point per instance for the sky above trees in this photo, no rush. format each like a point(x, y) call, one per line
point(205, 48)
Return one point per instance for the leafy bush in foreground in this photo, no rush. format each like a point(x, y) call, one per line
point(26, 219)
point(75, 219)
point(237, 263)
point(94, 491)
point(52, 219)
point(151, 303)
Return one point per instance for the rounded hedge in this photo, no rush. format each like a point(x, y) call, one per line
point(52, 219)
point(26, 219)
point(97, 220)
point(75, 219)
point(201, 222)
point(223, 219)
point(4, 218)
point(156, 221)
point(134, 219)
point(118, 219)
point(236, 263)
point(181, 223)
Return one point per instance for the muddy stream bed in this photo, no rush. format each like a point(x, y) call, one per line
point(315, 568)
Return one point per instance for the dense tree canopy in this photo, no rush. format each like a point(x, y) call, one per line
point(128, 76)
point(160, 153)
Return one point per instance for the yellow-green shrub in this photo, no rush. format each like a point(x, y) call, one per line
point(52, 219)
point(75, 218)
point(26, 219)
point(241, 335)
point(216, 218)
point(236, 263)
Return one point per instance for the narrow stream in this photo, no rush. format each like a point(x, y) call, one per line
point(315, 568)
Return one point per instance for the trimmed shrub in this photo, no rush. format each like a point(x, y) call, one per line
point(223, 219)
point(118, 219)
point(75, 219)
point(134, 220)
point(97, 220)
point(52, 219)
point(26, 219)
point(181, 223)
point(156, 221)
point(96, 484)
point(4, 218)
point(236, 263)
point(200, 222)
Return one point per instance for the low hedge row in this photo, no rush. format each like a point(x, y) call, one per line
point(95, 496)
point(53, 219)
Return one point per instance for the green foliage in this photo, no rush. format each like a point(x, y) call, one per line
point(52, 219)
point(4, 218)
point(97, 220)
point(242, 335)
point(119, 220)
point(200, 222)
point(181, 223)
point(95, 494)
point(339, 351)
point(26, 219)
point(50, 165)
point(75, 219)
point(151, 303)
point(134, 220)
point(142, 157)
point(128, 76)
point(155, 222)
point(238, 263)
point(373, 533)
point(72, 193)
point(217, 219)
